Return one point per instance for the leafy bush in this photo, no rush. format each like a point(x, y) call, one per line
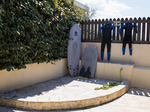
point(34, 31)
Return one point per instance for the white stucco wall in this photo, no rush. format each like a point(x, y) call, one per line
point(136, 68)
point(141, 77)
point(140, 55)
point(85, 7)
point(111, 71)
point(34, 73)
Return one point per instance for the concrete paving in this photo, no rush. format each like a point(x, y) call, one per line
point(135, 100)
point(71, 88)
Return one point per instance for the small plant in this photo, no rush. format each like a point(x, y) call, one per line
point(108, 86)
point(120, 75)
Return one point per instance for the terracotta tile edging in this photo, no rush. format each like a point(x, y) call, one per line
point(64, 105)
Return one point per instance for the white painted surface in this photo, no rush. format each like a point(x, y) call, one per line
point(74, 47)
point(141, 77)
point(34, 73)
point(112, 71)
point(140, 55)
point(85, 7)
point(136, 68)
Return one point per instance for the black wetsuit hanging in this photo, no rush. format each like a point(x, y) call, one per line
point(106, 39)
point(128, 36)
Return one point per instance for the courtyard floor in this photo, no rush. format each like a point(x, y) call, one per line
point(134, 100)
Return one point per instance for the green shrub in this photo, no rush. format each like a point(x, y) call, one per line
point(34, 31)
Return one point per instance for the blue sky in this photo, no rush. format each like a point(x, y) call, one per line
point(119, 8)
